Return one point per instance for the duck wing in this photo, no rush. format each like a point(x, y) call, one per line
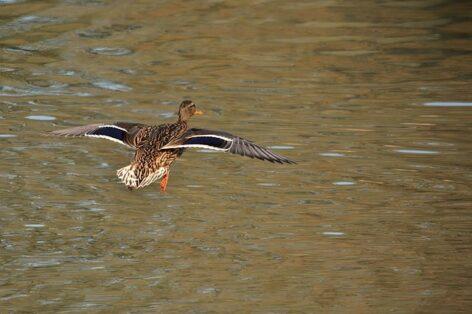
point(225, 142)
point(124, 133)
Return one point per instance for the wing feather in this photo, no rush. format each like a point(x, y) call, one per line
point(227, 142)
point(120, 132)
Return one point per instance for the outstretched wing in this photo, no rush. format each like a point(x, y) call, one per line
point(121, 132)
point(225, 142)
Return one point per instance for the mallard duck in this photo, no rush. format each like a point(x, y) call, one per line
point(157, 147)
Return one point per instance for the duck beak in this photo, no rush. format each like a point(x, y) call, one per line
point(198, 113)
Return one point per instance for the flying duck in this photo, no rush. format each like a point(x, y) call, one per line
point(157, 147)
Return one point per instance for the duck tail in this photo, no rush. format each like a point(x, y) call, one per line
point(128, 176)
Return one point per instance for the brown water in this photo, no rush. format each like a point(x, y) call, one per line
point(374, 218)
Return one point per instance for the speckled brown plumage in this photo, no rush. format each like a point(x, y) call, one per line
point(157, 147)
point(149, 157)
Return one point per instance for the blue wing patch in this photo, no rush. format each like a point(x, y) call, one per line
point(109, 131)
point(208, 140)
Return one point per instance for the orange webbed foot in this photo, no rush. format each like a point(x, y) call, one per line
point(164, 182)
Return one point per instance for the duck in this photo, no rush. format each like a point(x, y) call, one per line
point(156, 147)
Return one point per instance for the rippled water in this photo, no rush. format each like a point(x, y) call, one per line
point(372, 99)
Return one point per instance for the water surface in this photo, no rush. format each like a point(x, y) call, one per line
point(371, 98)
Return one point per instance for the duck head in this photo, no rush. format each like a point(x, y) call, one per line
point(187, 109)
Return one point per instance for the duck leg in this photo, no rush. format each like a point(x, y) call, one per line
point(164, 180)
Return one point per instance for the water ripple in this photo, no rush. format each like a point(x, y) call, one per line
point(417, 151)
point(8, 1)
point(30, 90)
point(41, 118)
point(448, 104)
point(333, 233)
point(112, 86)
point(25, 23)
point(281, 147)
point(344, 183)
point(34, 226)
point(110, 51)
point(331, 154)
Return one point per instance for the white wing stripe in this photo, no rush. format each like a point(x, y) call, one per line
point(212, 135)
point(112, 126)
point(196, 146)
point(106, 137)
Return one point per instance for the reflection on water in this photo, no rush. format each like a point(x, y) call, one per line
point(417, 151)
point(372, 101)
point(344, 183)
point(41, 118)
point(110, 51)
point(111, 86)
point(448, 104)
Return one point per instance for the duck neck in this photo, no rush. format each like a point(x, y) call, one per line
point(183, 117)
point(182, 123)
